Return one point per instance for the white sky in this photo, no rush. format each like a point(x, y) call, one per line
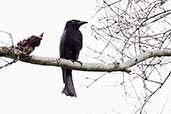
point(34, 89)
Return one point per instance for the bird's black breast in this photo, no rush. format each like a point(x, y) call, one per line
point(70, 44)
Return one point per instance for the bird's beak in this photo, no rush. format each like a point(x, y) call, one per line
point(82, 22)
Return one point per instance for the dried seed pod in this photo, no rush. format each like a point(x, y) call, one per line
point(28, 45)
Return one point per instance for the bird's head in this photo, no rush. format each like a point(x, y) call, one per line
point(74, 24)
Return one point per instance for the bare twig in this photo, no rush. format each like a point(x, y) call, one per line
point(10, 36)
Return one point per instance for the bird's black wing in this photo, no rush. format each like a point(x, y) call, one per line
point(70, 44)
point(62, 44)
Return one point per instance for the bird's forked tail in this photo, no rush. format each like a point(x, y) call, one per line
point(69, 89)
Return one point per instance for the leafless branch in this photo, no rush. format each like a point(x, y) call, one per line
point(132, 31)
point(10, 36)
point(10, 52)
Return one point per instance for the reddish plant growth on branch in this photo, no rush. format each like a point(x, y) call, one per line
point(28, 45)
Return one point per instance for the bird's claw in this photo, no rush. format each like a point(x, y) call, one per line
point(77, 62)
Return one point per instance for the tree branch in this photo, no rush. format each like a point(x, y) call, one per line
point(14, 53)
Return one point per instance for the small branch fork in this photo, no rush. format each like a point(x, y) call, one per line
point(10, 35)
point(14, 53)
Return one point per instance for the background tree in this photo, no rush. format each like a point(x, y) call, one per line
point(128, 28)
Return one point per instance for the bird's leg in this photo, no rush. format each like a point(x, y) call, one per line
point(77, 61)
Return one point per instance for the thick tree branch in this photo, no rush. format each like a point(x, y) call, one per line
point(14, 53)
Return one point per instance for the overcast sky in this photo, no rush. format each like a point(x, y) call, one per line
point(34, 89)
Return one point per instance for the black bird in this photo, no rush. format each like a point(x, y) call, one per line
point(70, 46)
